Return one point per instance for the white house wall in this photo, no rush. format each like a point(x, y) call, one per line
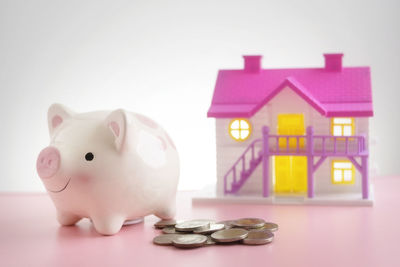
point(287, 101)
point(323, 180)
point(229, 150)
point(323, 176)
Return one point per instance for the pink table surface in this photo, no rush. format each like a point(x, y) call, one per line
point(308, 235)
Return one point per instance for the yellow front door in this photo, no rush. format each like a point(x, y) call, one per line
point(290, 172)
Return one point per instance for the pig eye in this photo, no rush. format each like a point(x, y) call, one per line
point(89, 156)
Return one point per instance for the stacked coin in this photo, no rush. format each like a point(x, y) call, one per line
point(203, 232)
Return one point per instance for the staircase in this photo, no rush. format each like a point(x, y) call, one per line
point(242, 169)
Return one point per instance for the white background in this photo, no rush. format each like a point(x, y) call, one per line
point(161, 58)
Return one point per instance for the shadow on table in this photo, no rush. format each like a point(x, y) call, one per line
point(85, 229)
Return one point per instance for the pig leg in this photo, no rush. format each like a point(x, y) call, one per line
point(166, 212)
point(108, 225)
point(67, 219)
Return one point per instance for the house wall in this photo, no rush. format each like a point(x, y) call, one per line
point(323, 180)
point(287, 101)
point(229, 150)
point(323, 176)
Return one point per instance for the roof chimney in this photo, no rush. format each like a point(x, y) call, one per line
point(333, 62)
point(252, 64)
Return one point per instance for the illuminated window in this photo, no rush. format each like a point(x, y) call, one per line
point(342, 126)
point(240, 129)
point(343, 172)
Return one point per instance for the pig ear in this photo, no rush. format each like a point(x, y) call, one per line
point(56, 115)
point(117, 123)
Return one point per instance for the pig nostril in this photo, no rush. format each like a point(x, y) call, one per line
point(48, 162)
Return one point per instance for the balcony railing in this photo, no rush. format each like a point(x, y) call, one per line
point(314, 145)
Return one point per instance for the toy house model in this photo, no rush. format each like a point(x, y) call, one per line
point(293, 134)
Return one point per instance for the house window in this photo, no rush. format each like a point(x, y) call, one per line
point(342, 126)
point(240, 129)
point(343, 172)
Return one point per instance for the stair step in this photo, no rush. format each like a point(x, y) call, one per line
point(253, 163)
point(234, 189)
point(244, 175)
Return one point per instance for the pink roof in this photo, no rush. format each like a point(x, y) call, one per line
point(344, 92)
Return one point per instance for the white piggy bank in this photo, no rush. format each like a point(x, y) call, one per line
point(110, 167)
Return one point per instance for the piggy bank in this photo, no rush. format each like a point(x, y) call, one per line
point(108, 166)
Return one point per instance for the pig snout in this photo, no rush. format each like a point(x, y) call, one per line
point(48, 162)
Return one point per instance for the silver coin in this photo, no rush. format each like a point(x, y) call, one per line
point(170, 230)
point(270, 226)
point(249, 223)
point(230, 235)
point(211, 229)
point(258, 237)
point(189, 226)
point(189, 241)
point(228, 224)
point(209, 241)
point(165, 223)
point(164, 240)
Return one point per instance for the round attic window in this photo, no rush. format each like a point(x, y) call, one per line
point(239, 129)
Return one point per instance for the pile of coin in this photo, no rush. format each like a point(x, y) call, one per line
point(198, 233)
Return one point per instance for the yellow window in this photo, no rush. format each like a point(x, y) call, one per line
point(240, 129)
point(343, 172)
point(342, 126)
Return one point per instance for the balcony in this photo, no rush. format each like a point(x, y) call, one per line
point(314, 145)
